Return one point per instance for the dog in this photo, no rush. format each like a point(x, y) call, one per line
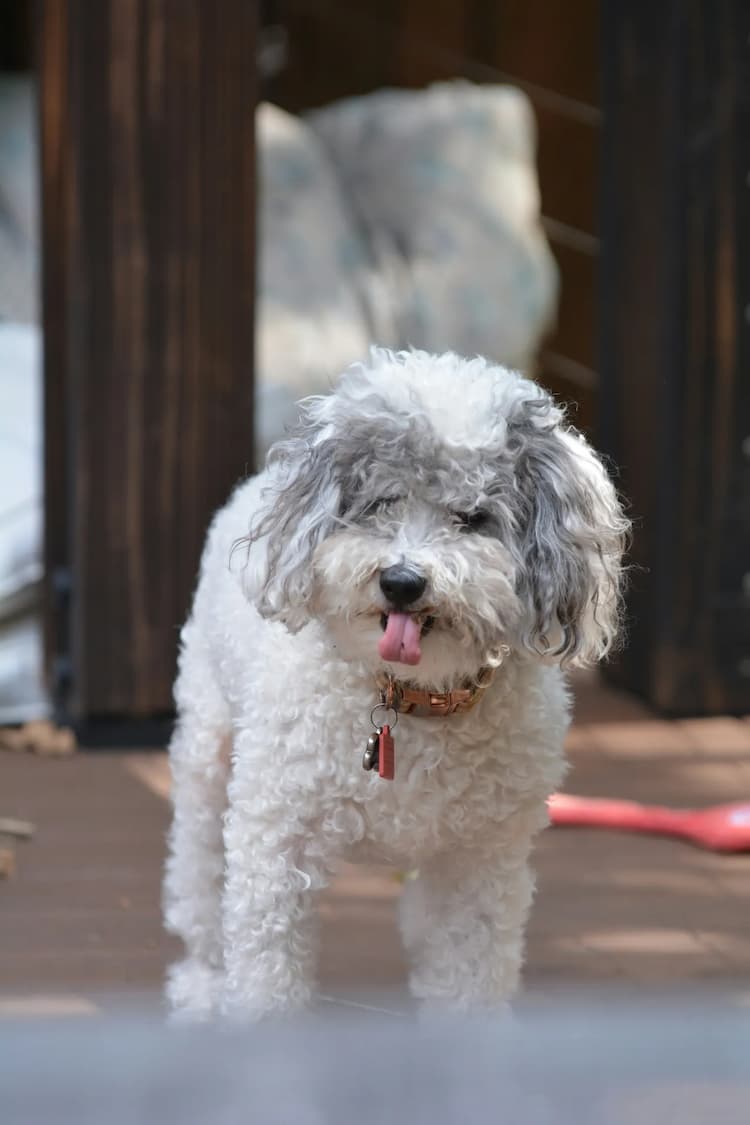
point(410, 577)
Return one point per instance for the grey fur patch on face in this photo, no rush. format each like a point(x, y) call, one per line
point(572, 535)
point(302, 505)
point(376, 458)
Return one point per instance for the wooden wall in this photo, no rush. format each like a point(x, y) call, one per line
point(16, 35)
point(339, 48)
point(676, 318)
point(148, 172)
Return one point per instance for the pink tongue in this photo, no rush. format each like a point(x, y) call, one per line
point(400, 641)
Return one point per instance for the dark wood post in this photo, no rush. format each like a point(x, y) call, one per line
point(675, 345)
point(147, 114)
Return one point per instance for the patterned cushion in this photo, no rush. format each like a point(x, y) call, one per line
point(444, 184)
point(310, 324)
point(400, 218)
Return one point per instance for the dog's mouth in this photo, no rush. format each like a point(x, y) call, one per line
point(402, 633)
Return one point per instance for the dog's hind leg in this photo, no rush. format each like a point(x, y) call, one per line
point(199, 759)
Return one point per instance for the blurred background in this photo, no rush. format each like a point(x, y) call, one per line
point(207, 211)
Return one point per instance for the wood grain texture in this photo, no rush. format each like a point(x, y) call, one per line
point(51, 23)
point(574, 337)
point(675, 343)
point(158, 259)
point(84, 914)
point(568, 163)
point(17, 48)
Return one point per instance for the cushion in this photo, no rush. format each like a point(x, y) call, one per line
point(309, 322)
point(444, 185)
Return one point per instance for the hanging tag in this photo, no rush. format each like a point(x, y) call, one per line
point(386, 754)
point(370, 757)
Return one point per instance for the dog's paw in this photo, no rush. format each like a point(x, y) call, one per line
point(193, 991)
point(249, 1000)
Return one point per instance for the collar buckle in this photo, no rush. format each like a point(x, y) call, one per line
point(441, 703)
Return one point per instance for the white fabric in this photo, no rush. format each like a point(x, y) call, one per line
point(404, 218)
point(309, 320)
point(19, 197)
point(22, 694)
point(444, 183)
point(20, 459)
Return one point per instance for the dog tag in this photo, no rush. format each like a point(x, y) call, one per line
point(386, 754)
point(370, 758)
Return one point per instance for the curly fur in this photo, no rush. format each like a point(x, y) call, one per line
point(467, 473)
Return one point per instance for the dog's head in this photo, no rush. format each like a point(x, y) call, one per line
point(432, 510)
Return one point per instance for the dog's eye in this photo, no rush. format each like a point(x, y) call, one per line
point(472, 521)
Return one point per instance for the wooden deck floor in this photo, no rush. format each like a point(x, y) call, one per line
point(80, 923)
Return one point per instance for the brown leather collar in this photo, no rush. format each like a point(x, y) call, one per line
point(406, 700)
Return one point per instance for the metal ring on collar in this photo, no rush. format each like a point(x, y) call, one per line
point(384, 707)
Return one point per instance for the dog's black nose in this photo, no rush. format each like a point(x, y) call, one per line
point(401, 585)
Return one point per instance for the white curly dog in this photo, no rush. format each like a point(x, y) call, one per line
point(432, 537)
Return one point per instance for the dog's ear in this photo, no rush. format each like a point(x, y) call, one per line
point(572, 539)
point(299, 510)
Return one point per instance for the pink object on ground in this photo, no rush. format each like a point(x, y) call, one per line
point(400, 641)
point(720, 828)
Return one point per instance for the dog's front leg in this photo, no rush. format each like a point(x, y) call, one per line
point(463, 920)
point(276, 859)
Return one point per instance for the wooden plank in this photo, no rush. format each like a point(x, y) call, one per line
point(84, 912)
point(17, 39)
point(339, 49)
point(575, 335)
point(159, 341)
point(675, 342)
point(568, 162)
point(54, 130)
point(552, 44)
point(432, 34)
